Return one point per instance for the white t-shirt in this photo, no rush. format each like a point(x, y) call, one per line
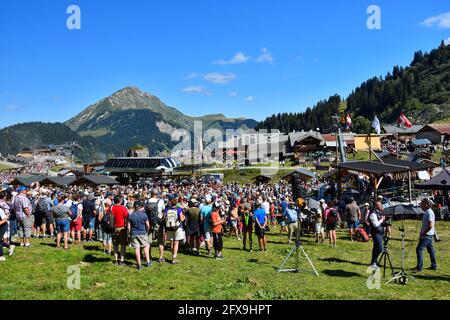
point(2, 214)
point(161, 206)
point(266, 206)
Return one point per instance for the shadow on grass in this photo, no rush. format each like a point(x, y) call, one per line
point(341, 273)
point(437, 277)
point(92, 248)
point(337, 260)
point(53, 245)
point(92, 259)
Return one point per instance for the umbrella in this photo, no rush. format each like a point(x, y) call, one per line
point(440, 182)
point(403, 210)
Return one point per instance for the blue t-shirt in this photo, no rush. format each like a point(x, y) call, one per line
point(206, 214)
point(291, 215)
point(260, 215)
point(138, 223)
point(284, 206)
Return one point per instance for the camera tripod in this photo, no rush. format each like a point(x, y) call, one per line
point(402, 276)
point(385, 257)
point(297, 247)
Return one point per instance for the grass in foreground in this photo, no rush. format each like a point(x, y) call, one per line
point(40, 272)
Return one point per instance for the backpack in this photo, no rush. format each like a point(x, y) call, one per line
point(108, 222)
point(171, 220)
point(74, 211)
point(41, 206)
point(151, 209)
point(332, 217)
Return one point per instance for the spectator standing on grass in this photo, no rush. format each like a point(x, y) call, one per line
point(106, 221)
point(247, 225)
point(217, 231)
point(75, 224)
point(61, 212)
point(173, 218)
point(426, 236)
point(377, 232)
point(3, 230)
point(332, 220)
point(353, 214)
point(234, 220)
point(205, 219)
point(158, 231)
point(291, 216)
point(88, 218)
point(23, 211)
point(119, 236)
point(193, 227)
point(260, 226)
point(139, 226)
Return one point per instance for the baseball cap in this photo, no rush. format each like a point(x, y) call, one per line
point(22, 188)
point(172, 196)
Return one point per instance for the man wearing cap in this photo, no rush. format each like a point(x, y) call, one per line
point(157, 231)
point(291, 217)
point(192, 226)
point(426, 236)
point(23, 210)
point(138, 226)
point(247, 225)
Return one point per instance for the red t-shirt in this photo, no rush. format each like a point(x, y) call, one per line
point(120, 213)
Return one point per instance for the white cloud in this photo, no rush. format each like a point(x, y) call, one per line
point(12, 108)
point(250, 98)
point(447, 41)
point(239, 57)
point(266, 56)
point(233, 94)
point(442, 21)
point(220, 78)
point(193, 75)
point(197, 89)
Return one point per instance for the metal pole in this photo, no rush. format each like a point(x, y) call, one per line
point(409, 186)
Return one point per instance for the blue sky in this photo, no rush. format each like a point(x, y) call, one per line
point(242, 58)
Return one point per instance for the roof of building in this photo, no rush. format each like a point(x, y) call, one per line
point(97, 180)
point(59, 181)
point(28, 180)
point(443, 128)
point(301, 172)
point(390, 166)
point(439, 182)
point(418, 142)
point(392, 129)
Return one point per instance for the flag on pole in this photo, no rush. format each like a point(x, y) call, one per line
point(376, 125)
point(403, 121)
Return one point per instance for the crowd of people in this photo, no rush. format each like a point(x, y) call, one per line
point(189, 216)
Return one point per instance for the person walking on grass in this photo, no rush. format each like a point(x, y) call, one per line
point(3, 230)
point(61, 212)
point(217, 230)
point(139, 226)
point(119, 237)
point(23, 211)
point(260, 226)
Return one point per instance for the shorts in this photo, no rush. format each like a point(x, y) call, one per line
point(208, 235)
point(107, 237)
point(352, 225)
point(176, 235)
point(39, 218)
point(89, 223)
point(260, 232)
point(331, 227)
point(120, 237)
point(234, 223)
point(319, 228)
point(140, 241)
point(24, 227)
point(76, 225)
point(49, 218)
point(62, 225)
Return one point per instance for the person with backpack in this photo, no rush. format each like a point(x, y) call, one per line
point(173, 218)
point(41, 209)
point(205, 220)
point(76, 212)
point(154, 209)
point(106, 221)
point(88, 218)
point(139, 226)
point(332, 220)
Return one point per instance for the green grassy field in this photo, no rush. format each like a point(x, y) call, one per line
point(40, 272)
